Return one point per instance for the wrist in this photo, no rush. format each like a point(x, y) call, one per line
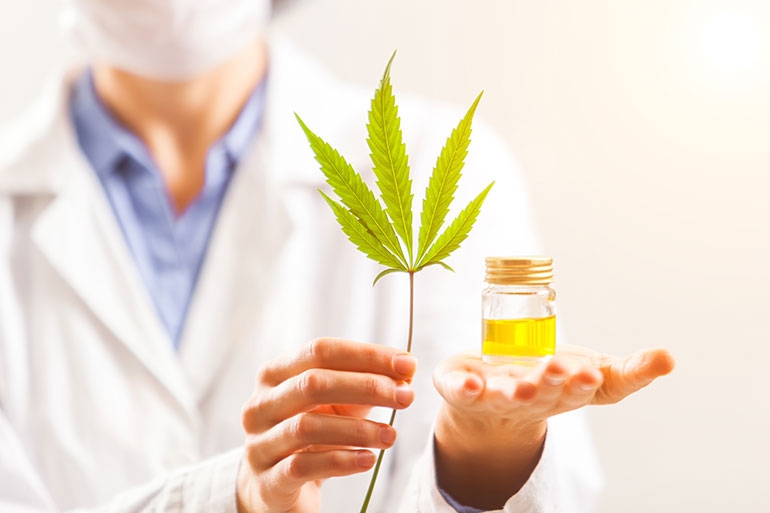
point(482, 463)
point(482, 435)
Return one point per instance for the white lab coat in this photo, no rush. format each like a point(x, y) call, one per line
point(97, 410)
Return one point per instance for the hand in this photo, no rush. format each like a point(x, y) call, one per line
point(305, 421)
point(498, 414)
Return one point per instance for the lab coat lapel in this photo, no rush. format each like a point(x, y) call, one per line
point(79, 235)
point(239, 271)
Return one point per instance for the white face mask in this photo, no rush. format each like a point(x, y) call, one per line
point(168, 40)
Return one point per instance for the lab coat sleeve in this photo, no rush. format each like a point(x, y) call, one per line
point(566, 479)
point(536, 495)
point(206, 487)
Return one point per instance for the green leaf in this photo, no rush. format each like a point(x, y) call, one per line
point(456, 233)
point(385, 273)
point(391, 164)
point(443, 181)
point(359, 235)
point(354, 193)
point(442, 264)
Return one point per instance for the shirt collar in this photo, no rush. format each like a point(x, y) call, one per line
point(106, 142)
point(240, 135)
point(103, 139)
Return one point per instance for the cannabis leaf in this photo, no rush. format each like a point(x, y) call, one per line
point(443, 182)
point(361, 237)
point(457, 232)
point(391, 164)
point(383, 233)
point(355, 195)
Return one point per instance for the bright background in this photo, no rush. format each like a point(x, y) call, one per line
point(642, 127)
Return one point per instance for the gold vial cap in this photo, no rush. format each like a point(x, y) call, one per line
point(531, 270)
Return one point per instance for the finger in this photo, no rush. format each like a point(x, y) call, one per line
point(498, 392)
point(505, 392)
point(463, 379)
point(342, 355)
point(317, 387)
point(659, 363)
point(545, 385)
point(310, 466)
point(290, 474)
point(550, 380)
point(622, 377)
point(458, 387)
point(580, 389)
point(311, 429)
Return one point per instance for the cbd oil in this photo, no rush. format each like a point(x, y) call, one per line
point(518, 310)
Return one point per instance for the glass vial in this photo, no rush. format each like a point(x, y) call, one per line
point(518, 310)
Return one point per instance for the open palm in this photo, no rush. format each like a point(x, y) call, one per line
point(575, 377)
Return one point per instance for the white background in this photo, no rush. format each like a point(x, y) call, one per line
point(649, 174)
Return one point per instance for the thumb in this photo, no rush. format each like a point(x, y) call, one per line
point(624, 376)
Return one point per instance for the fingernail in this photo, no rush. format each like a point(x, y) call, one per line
point(404, 394)
point(586, 387)
point(365, 459)
point(471, 387)
point(471, 392)
point(404, 364)
point(387, 435)
point(554, 379)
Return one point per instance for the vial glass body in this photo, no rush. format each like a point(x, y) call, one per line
point(518, 323)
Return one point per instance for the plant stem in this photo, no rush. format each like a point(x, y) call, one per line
point(377, 465)
point(411, 312)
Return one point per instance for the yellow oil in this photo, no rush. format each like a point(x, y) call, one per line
point(514, 339)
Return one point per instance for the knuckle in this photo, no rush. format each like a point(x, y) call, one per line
point(251, 411)
point(296, 468)
point(373, 387)
point(302, 426)
point(262, 376)
point(313, 382)
point(338, 461)
point(361, 432)
point(372, 353)
point(320, 349)
point(255, 415)
point(248, 412)
point(253, 452)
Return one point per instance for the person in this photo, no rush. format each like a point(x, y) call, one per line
point(172, 284)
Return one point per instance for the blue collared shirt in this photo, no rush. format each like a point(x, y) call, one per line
point(168, 249)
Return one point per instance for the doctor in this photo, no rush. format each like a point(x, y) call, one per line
point(166, 269)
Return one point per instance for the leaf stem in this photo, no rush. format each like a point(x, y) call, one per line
point(377, 465)
point(411, 312)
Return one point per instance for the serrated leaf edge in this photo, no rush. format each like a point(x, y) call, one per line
point(459, 228)
point(359, 235)
point(385, 141)
point(367, 210)
point(442, 185)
